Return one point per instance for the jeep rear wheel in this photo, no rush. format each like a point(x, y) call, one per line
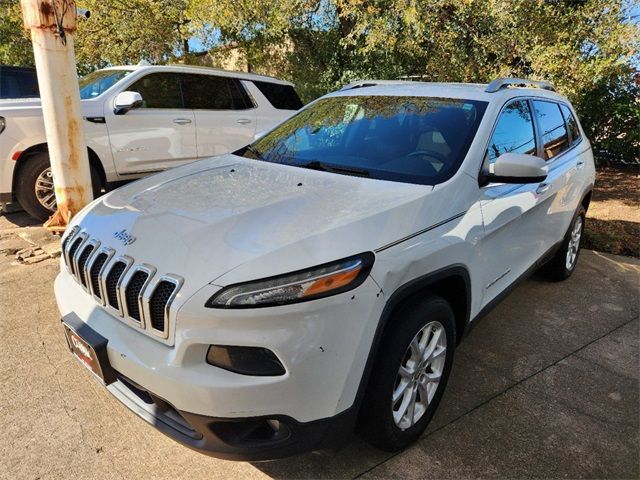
point(409, 375)
point(34, 186)
point(563, 263)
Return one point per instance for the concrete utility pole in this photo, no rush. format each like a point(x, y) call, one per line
point(52, 24)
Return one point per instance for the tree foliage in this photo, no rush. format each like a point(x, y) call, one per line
point(587, 48)
point(15, 41)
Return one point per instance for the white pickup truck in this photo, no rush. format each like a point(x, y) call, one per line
point(139, 120)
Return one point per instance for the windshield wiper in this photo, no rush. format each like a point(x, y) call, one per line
point(325, 167)
point(255, 151)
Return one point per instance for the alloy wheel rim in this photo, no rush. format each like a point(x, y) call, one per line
point(419, 375)
point(574, 244)
point(44, 189)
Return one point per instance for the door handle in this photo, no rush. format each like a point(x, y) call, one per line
point(580, 165)
point(542, 188)
point(182, 121)
point(243, 121)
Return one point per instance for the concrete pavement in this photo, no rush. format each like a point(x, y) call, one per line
point(546, 386)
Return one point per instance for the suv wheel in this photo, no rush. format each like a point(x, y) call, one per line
point(409, 375)
point(563, 263)
point(34, 186)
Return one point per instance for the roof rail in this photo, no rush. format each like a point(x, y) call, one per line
point(500, 83)
point(371, 83)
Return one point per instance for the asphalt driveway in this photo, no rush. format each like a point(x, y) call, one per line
point(545, 386)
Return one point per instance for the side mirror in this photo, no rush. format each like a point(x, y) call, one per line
point(126, 101)
point(517, 168)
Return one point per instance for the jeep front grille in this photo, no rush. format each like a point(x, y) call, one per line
point(131, 291)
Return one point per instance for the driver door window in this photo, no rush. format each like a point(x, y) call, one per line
point(514, 132)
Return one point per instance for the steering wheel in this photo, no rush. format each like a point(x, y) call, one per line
point(433, 154)
point(429, 153)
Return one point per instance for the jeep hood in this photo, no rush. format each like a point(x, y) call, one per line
point(207, 218)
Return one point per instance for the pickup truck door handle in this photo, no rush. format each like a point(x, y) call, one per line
point(243, 121)
point(182, 121)
point(543, 187)
point(580, 165)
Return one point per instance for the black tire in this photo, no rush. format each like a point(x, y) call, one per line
point(29, 172)
point(557, 268)
point(376, 422)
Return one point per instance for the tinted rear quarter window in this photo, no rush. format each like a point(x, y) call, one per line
point(514, 131)
point(18, 83)
point(210, 92)
point(555, 138)
point(159, 90)
point(282, 97)
point(572, 124)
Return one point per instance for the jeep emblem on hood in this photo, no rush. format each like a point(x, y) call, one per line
point(124, 237)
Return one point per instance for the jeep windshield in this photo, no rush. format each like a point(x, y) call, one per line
point(419, 140)
point(96, 83)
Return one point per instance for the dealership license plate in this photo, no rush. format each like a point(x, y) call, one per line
point(89, 347)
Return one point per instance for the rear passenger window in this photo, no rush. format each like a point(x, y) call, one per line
point(159, 90)
point(208, 92)
point(555, 138)
point(514, 131)
point(571, 123)
point(282, 97)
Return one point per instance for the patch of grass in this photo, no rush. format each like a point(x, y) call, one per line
point(613, 219)
point(613, 236)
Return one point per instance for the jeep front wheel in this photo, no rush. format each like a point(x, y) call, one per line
point(409, 375)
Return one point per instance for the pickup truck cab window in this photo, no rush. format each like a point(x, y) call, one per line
point(96, 83)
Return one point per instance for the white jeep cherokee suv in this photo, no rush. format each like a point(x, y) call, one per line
point(266, 302)
point(139, 120)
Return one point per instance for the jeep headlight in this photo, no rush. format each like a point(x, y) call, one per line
point(301, 286)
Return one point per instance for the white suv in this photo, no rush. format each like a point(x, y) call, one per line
point(263, 303)
point(140, 120)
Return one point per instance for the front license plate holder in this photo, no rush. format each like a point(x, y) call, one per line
point(89, 347)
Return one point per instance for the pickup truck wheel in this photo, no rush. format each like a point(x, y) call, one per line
point(35, 190)
point(409, 375)
point(563, 263)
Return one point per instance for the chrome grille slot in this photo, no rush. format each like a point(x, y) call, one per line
point(94, 273)
point(82, 261)
point(158, 303)
point(72, 251)
point(111, 283)
point(65, 245)
point(132, 293)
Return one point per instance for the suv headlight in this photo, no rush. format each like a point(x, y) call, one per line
point(3, 123)
point(301, 286)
